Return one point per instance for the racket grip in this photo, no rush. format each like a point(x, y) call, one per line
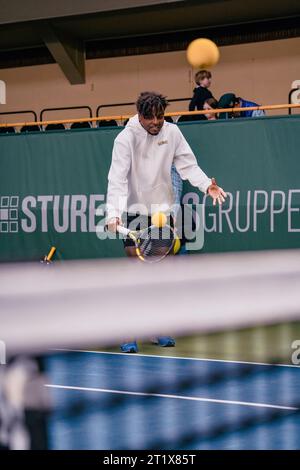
point(123, 230)
point(51, 253)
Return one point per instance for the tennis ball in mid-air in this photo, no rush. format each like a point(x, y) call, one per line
point(159, 219)
point(202, 53)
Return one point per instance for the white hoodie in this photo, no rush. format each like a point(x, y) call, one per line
point(140, 172)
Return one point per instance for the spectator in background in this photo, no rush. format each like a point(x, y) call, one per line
point(229, 100)
point(201, 92)
point(210, 103)
point(241, 103)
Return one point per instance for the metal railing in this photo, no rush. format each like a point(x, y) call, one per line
point(46, 110)
point(290, 97)
point(115, 105)
point(126, 116)
point(27, 111)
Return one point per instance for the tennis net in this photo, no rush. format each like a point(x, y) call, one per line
point(231, 382)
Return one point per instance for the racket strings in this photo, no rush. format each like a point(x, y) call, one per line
point(156, 242)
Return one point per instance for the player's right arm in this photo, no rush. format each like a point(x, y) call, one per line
point(117, 190)
point(112, 224)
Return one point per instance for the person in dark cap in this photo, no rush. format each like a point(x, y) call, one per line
point(229, 100)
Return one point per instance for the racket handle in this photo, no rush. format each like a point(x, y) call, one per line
point(51, 253)
point(123, 230)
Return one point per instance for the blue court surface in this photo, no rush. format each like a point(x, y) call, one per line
point(106, 400)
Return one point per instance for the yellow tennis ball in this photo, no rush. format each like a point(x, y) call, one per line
point(159, 219)
point(202, 53)
point(177, 245)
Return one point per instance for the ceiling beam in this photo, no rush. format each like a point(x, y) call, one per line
point(68, 52)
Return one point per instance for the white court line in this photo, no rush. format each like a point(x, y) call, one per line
point(175, 357)
point(178, 397)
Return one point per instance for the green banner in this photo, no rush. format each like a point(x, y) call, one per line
point(256, 161)
point(53, 188)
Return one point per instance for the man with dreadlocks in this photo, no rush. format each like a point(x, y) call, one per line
point(139, 179)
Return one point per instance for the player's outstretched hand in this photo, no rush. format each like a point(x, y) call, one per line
point(217, 193)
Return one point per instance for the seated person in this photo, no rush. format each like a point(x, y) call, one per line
point(229, 100)
point(210, 103)
point(241, 103)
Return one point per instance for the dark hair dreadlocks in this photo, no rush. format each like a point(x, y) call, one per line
point(151, 104)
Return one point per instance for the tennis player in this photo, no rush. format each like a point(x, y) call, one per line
point(139, 179)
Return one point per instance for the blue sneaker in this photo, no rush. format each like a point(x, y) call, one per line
point(164, 341)
point(129, 347)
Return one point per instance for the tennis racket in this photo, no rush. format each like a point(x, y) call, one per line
point(151, 244)
point(48, 258)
